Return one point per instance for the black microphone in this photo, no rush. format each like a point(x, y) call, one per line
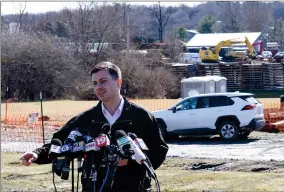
point(74, 136)
point(78, 149)
point(89, 177)
point(129, 147)
point(54, 153)
point(90, 146)
point(124, 144)
point(67, 149)
point(106, 129)
point(88, 139)
point(127, 144)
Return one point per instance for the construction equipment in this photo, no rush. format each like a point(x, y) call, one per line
point(211, 55)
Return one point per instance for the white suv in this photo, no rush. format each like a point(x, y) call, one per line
point(266, 54)
point(230, 115)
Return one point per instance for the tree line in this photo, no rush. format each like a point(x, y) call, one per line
point(53, 52)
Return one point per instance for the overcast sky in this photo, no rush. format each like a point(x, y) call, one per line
point(42, 7)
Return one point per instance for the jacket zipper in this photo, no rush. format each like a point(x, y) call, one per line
point(121, 121)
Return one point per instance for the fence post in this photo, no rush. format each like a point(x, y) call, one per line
point(6, 111)
point(40, 96)
point(282, 102)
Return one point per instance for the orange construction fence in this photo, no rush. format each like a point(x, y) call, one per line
point(23, 122)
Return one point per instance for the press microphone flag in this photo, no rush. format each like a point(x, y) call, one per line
point(127, 144)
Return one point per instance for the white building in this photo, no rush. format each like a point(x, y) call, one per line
point(13, 28)
point(212, 39)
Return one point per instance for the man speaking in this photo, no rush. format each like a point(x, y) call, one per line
point(120, 114)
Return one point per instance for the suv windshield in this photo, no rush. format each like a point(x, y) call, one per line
point(187, 104)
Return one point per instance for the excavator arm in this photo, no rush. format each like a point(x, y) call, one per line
point(225, 44)
point(250, 47)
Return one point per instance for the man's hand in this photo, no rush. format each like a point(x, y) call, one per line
point(28, 157)
point(122, 162)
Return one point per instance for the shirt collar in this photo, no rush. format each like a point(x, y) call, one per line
point(120, 107)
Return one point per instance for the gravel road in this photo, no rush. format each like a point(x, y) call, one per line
point(259, 146)
point(261, 152)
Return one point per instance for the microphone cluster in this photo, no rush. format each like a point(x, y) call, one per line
point(78, 145)
point(75, 146)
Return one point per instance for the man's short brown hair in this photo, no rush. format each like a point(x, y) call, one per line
point(111, 68)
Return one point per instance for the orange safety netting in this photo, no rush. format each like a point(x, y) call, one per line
point(25, 126)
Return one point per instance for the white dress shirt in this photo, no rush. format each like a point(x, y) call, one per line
point(112, 118)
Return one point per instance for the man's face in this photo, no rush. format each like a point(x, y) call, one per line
point(106, 88)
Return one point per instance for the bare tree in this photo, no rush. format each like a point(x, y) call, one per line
point(141, 81)
point(176, 46)
point(31, 64)
point(140, 23)
point(24, 21)
point(231, 16)
point(276, 32)
point(93, 24)
point(162, 15)
point(257, 16)
point(22, 15)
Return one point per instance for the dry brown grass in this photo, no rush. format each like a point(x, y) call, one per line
point(172, 176)
point(65, 109)
point(270, 102)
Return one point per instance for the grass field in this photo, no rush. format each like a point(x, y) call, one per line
point(61, 111)
point(173, 176)
point(68, 107)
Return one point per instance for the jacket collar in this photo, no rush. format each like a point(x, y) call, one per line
point(99, 114)
point(120, 107)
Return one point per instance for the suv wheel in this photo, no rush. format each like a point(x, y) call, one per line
point(228, 131)
point(165, 135)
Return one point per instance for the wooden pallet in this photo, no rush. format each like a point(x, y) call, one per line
point(240, 76)
point(252, 78)
point(273, 76)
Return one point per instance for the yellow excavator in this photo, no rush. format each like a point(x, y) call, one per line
point(211, 55)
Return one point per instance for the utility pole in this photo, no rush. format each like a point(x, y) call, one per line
point(128, 32)
point(142, 34)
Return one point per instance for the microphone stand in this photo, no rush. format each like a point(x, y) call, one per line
point(72, 174)
point(93, 172)
point(111, 161)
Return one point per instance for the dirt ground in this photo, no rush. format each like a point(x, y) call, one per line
point(261, 152)
point(233, 165)
point(192, 164)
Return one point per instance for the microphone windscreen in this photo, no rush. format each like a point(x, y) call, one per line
point(133, 136)
point(119, 134)
point(106, 128)
point(56, 142)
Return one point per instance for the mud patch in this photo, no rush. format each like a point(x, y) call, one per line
point(14, 176)
point(15, 163)
point(203, 164)
point(259, 169)
point(211, 191)
point(19, 176)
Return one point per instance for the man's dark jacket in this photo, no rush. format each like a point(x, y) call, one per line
point(133, 119)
